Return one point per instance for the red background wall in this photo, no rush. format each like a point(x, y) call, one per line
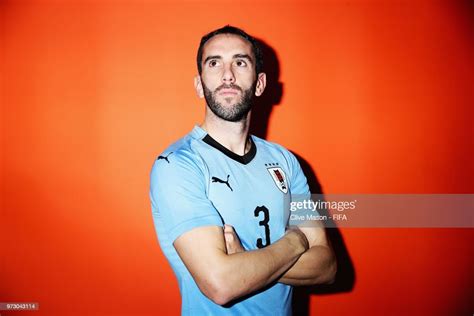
point(377, 98)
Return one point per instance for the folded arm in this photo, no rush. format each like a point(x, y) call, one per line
point(316, 266)
point(223, 277)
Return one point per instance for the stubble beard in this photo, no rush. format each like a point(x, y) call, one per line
point(235, 113)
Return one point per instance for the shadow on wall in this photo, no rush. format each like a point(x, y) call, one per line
point(264, 104)
point(261, 112)
point(345, 277)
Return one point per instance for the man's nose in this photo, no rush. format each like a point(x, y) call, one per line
point(228, 76)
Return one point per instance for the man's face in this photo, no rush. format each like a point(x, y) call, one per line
point(228, 80)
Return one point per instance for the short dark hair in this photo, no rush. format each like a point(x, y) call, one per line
point(257, 52)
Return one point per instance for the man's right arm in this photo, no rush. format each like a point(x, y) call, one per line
point(222, 277)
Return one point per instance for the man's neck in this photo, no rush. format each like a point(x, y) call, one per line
point(231, 135)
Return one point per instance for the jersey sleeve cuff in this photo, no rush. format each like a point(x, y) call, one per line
point(208, 220)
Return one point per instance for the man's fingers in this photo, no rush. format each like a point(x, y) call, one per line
point(229, 233)
point(232, 242)
point(229, 237)
point(228, 228)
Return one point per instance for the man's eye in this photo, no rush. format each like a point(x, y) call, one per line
point(241, 63)
point(213, 63)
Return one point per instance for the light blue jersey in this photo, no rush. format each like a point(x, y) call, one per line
point(197, 182)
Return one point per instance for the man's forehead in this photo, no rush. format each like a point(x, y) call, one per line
point(227, 44)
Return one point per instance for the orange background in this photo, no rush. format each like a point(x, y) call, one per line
point(377, 98)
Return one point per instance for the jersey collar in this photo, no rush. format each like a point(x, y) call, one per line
point(244, 159)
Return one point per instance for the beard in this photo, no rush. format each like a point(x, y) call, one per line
point(235, 113)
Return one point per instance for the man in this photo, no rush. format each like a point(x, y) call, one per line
point(220, 197)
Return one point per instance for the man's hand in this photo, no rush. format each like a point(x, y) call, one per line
point(232, 241)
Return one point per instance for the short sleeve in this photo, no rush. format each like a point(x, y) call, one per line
point(178, 196)
point(299, 193)
point(298, 181)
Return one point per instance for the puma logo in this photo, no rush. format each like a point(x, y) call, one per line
point(164, 157)
point(216, 179)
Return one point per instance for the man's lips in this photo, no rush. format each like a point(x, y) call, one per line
point(229, 92)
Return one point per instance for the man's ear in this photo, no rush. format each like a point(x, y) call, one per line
point(261, 84)
point(198, 86)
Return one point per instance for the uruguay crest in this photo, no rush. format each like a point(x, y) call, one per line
point(279, 177)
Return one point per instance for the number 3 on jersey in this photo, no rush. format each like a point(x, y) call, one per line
point(264, 223)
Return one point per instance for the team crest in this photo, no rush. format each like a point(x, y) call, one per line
point(279, 178)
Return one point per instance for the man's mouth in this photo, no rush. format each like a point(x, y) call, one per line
point(228, 89)
point(228, 92)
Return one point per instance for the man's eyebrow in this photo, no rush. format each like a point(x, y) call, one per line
point(245, 56)
point(212, 57)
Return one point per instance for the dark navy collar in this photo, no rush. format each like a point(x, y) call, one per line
point(245, 159)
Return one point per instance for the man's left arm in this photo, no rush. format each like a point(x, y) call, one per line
point(317, 265)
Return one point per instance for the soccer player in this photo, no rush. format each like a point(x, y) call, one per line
point(220, 197)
